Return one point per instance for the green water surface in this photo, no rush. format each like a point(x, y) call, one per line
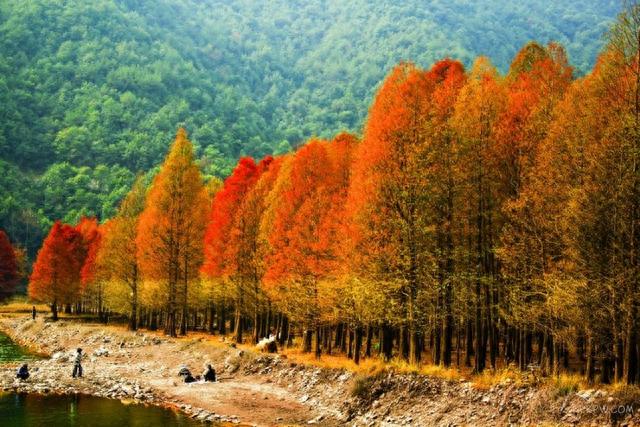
point(12, 352)
point(33, 410)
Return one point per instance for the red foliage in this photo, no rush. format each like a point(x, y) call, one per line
point(224, 207)
point(56, 272)
point(8, 266)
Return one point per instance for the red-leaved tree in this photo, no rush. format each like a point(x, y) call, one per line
point(56, 273)
point(9, 274)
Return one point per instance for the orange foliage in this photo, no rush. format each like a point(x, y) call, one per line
point(171, 227)
point(92, 238)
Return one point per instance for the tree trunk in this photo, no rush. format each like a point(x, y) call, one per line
point(339, 331)
point(238, 325)
point(386, 344)
point(479, 333)
point(447, 331)
point(367, 351)
point(133, 317)
point(630, 357)
point(358, 345)
point(210, 319)
point(222, 319)
point(306, 340)
point(318, 349)
point(469, 343)
point(437, 347)
point(184, 320)
point(283, 333)
point(153, 323)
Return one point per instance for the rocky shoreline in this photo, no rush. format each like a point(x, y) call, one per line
point(52, 375)
point(257, 389)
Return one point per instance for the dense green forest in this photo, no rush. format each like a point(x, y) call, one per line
point(92, 92)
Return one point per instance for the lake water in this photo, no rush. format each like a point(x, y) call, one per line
point(34, 410)
point(12, 352)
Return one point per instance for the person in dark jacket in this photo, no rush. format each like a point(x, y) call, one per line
point(33, 312)
point(209, 374)
point(23, 372)
point(77, 364)
point(186, 373)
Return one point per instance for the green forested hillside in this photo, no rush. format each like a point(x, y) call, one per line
point(92, 91)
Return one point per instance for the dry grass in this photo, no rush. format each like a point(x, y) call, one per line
point(22, 304)
point(565, 384)
point(369, 366)
point(490, 378)
point(428, 369)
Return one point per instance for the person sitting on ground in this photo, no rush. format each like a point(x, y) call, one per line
point(189, 378)
point(209, 374)
point(23, 372)
point(186, 373)
point(77, 364)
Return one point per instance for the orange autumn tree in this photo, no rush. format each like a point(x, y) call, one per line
point(243, 251)
point(171, 229)
point(389, 200)
point(478, 106)
point(9, 272)
point(255, 205)
point(604, 209)
point(302, 236)
point(91, 286)
point(56, 272)
point(217, 266)
point(442, 171)
point(117, 258)
point(537, 81)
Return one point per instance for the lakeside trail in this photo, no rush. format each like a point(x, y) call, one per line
point(260, 389)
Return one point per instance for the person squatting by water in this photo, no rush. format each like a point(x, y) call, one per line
point(23, 372)
point(77, 364)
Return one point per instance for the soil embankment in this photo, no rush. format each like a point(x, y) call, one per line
point(258, 389)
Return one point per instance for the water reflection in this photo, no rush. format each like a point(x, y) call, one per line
point(32, 410)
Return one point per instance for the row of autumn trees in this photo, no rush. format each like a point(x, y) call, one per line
point(481, 220)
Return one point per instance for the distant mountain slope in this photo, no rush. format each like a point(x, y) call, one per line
point(92, 92)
